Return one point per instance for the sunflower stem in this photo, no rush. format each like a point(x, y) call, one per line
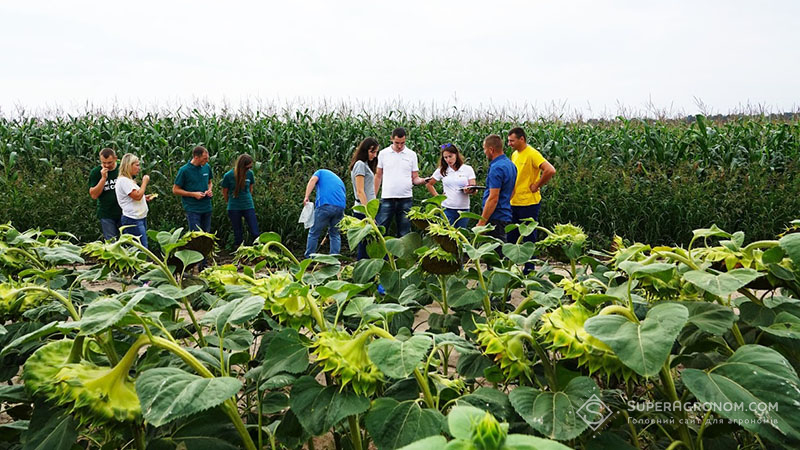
point(355, 432)
point(699, 443)
point(77, 350)
point(759, 244)
point(676, 257)
point(228, 407)
point(619, 310)
point(737, 334)
point(672, 394)
point(284, 250)
point(67, 304)
point(549, 370)
point(422, 380)
point(443, 286)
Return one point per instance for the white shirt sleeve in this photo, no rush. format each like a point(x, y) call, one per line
point(437, 174)
point(414, 163)
point(470, 172)
point(380, 160)
point(125, 185)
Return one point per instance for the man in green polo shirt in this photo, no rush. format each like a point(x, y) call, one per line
point(193, 184)
point(102, 181)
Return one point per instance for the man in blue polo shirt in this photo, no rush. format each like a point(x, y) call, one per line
point(328, 209)
point(193, 184)
point(500, 183)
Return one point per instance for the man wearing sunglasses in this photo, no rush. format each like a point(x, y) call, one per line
point(398, 170)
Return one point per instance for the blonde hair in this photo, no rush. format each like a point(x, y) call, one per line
point(125, 165)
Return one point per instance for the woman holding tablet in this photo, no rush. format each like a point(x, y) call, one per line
point(456, 177)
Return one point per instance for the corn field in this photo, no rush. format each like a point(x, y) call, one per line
point(652, 181)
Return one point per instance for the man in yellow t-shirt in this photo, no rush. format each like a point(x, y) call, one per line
point(533, 172)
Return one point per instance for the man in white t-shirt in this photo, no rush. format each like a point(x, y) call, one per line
point(399, 171)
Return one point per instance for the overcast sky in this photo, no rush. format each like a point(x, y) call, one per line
point(590, 56)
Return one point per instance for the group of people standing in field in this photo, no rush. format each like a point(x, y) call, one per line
point(511, 192)
point(122, 202)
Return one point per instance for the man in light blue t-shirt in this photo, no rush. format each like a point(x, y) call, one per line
point(328, 209)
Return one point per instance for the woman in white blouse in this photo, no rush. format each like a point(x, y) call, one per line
point(132, 199)
point(455, 177)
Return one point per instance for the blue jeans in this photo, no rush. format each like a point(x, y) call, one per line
point(199, 221)
point(236, 216)
point(452, 217)
point(138, 228)
point(518, 213)
point(397, 208)
point(499, 232)
point(361, 253)
point(325, 217)
point(523, 212)
point(110, 228)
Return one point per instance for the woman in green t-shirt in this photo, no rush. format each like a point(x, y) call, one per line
point(237, 190)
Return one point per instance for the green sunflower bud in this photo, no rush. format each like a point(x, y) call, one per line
point(218, 277)
point(440, 262)
point(563, 330)
point(290, 305)
point(95, 394)
point(13, 302)
point(564, 235)
point(40, 369)
point(10, 259)
point(501, 338)
point(117, 255)
point(346, 274)
point(574, 289)
point(259, 253)
point(489, 434)
point(345, 357)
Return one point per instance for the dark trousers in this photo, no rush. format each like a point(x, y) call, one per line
point(518, 213)
point(249, 216)
point(136, 227)
point(361, 253)
point(499, 231)
point(325, 217)
point(396, 208)
point(199, 222)
point(110, 228)
point(452, 217)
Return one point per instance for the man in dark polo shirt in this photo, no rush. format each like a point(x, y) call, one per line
point(193, 184)
point(102, 181)
point(500, 183)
